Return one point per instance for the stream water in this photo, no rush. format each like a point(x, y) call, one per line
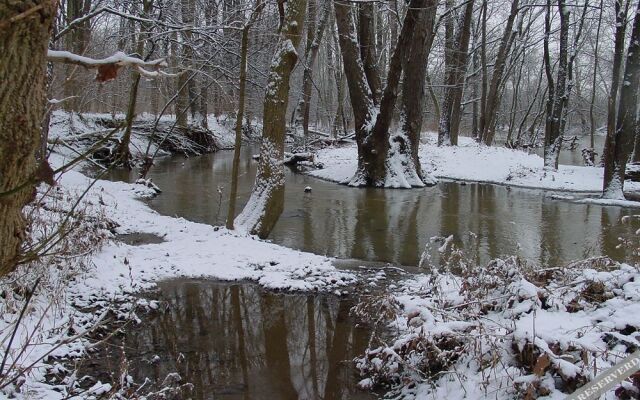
point(395, 226)
point(237, 341)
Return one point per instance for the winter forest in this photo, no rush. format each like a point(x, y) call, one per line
point(319, 199)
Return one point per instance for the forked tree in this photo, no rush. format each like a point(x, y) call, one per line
point(385, 158)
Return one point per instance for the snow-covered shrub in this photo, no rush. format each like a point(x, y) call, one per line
point(64, 230)
point(507, 329)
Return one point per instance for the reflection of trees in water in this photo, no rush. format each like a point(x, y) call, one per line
point(242, 342)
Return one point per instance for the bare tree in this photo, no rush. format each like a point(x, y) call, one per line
point(267, 198)
point(244, 50)
point(626, 120)
point(383, 159)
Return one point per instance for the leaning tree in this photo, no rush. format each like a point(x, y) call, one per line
point(266, 203)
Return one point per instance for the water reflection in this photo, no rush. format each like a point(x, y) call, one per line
point(395, 225)
point(241, 342)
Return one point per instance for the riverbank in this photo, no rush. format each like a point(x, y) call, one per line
point(473, 162)
point(507, 330)
point(90, 276)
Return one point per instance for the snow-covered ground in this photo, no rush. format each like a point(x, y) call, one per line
point(470, 161)
point(508, 331)
point(113, 273)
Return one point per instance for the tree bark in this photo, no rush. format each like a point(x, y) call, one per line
point(244, 49)
point(626, 120)
point(558, 96)
point(609, 143)
point(382, 161)
point(415, 71)
point(492, 98)
point(23, 45)
point(267, 198)
point(450, 112)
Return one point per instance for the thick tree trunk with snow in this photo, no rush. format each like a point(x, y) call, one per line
point(608, 153)
point(23, 45)
point(266, 203)
point(626, 121)
point(415, 71)
point(383, 161)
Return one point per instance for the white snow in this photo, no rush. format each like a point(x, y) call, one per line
point(470, 161)
point(117, 271)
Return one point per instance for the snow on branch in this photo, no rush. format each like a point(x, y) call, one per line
point(108, 67)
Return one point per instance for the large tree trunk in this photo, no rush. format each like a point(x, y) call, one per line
point(267, 198)
point(23, 45)
point(382, 161)
point(618, 55)
point(626, 121)
point(415, 71)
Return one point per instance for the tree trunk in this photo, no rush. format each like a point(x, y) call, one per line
point(382, 161)
point(23, 45)
point(267, 198)
point(450, 113)
point(407, 142)
point(609, 143)
point(558, 96)
point(122, 155)
point(244, 49)
point(626, 121)
point(490, 112)
point(592, 118)
point(367, 42)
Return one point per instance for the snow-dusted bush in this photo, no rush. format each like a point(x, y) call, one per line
point(507, 329)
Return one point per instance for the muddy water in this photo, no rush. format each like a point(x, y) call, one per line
point(396, 225)
point(237, 341)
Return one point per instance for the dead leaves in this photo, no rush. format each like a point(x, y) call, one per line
point(107, 72)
